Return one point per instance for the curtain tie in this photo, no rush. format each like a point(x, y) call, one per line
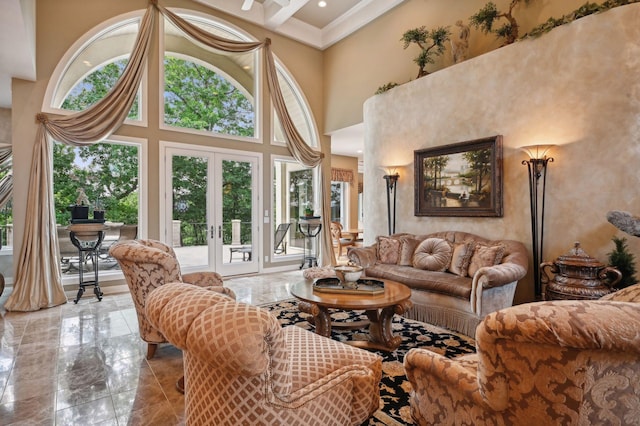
point(42, 118)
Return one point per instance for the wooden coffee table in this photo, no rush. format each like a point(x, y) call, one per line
point(379, 309)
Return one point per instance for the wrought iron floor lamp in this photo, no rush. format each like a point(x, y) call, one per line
point(537, 166)
point(392, 183)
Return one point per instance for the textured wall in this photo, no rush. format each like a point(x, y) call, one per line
point(577, 87)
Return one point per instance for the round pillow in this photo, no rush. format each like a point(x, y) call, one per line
point(433, 254)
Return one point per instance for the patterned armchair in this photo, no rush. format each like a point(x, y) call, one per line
point(557, 362)
point(242, 368)
point(147, 265)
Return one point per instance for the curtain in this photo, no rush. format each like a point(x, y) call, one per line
point(38, 281)
point(6, 183)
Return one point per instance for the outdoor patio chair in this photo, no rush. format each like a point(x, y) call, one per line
point(280, 245)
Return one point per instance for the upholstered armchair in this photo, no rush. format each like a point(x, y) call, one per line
point(557, 362)
point(242, 368)
point(149, 264)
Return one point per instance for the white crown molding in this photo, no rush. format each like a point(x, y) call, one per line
point(280, 19)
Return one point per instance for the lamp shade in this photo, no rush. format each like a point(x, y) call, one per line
point(537, 152)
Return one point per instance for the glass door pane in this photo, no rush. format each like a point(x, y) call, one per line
point(189, 225)
point(236, 214)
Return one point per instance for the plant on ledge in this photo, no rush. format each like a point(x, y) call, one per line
point(486, 17)
point(386, 87)
point(431, 42)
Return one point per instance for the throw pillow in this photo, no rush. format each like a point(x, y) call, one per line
point(485, 255)
point(461, 257)
point(388, 250)
point(407, 248)
point(433, 254)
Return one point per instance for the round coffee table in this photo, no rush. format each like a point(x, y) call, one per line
point(379, 309)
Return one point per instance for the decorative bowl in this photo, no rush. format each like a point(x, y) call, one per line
point(348, 273)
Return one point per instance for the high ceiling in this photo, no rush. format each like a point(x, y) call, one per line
point(301, 20)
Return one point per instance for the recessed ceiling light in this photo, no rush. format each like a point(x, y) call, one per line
point(322, 3)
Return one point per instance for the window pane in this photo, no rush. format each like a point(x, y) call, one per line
point(196, 97)
point(297, 110)
point(103, 57)
point(108, 174)
point(95, 86)
point(206, 89)
point(294, 192)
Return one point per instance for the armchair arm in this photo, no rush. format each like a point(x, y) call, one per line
point(425, 369)
point(363, 256)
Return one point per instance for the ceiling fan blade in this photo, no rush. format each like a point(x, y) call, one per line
point(283, 3)
point(247, 4)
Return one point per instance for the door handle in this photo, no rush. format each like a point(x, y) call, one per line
point(211, 231)
point(219, 231)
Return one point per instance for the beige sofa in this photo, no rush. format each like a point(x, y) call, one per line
point(456, 278)
point(546, 363)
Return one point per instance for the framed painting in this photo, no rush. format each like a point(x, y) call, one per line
point(462, 179)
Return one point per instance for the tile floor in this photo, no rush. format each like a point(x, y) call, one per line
point(85, 364)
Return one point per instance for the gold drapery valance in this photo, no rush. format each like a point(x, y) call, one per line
point(342, 175)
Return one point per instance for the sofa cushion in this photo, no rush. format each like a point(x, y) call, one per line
point(407, 249)
point(433, 254)
point(388, 250)
point(419, 279)
point(461, 257)
point(485, 255)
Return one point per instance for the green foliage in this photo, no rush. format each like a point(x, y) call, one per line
point(95, 86)
point(386, 87)
point(198, 98)
point(107, 172)
point(584, 10)
point(431, 43)
point(486, 17)
point(623, 260)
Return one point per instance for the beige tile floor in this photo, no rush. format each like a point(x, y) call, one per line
point(85, 364)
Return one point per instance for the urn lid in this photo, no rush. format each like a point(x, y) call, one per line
point(578, 257)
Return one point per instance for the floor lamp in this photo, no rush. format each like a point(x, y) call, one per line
point(392, 180)
point(537, 166)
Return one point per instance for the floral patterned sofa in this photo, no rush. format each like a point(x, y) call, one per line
point(456, 278)
point(544, 363)
point(242, 368)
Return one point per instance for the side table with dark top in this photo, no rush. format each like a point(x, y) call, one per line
point(87, 238)
point(309, 228)
point(379, 309)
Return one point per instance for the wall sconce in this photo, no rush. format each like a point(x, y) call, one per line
point(391, 176)
point(537, 166)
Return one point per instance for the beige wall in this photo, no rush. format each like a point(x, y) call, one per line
point(373, 56)
point(572, 87)
point(61, 23)
point(349, 163)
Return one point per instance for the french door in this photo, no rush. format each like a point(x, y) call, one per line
point(211, 209)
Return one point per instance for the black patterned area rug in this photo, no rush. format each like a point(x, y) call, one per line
point(394, 386)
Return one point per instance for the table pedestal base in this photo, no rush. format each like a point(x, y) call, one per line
point(380, 324)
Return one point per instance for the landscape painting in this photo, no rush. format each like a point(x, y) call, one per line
point(462, 179)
